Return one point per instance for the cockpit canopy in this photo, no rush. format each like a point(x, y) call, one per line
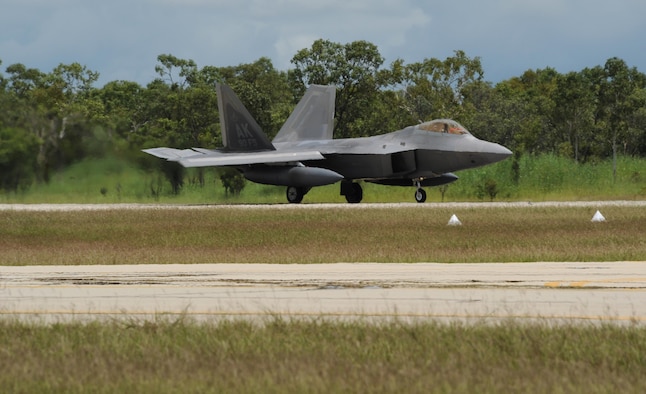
point(443, 126)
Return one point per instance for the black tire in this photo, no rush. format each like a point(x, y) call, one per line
point(356, 196)
point(420, 195)
point(295, 194)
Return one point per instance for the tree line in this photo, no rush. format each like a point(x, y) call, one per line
point(49, 120)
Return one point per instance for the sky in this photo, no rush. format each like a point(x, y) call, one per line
point(121, 39)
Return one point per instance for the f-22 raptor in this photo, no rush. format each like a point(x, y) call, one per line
point(304, 154)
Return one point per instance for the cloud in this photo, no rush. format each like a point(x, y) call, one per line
point(122, 38)
point(387, 24)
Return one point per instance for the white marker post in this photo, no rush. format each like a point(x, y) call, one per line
point(454, 221)
point(598, 217)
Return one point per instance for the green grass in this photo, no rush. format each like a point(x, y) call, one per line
point(546, 177)
point(318, 235)
point(320, 356)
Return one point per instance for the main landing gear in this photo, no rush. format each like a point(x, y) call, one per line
point(352, 191)
point(295, 194)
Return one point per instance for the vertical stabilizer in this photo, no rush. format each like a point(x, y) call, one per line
point(240, 132)
point(313, 117)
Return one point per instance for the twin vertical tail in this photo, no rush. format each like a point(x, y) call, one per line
point(313, 117)
point(240, 132)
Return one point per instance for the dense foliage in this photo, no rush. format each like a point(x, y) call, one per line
point(50, 120)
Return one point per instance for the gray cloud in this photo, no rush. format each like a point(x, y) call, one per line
point(121, 39)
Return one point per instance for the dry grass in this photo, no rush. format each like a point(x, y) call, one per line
point(320, 236)
point(319, 356)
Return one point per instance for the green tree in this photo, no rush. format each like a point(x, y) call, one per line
point(125, 110)
point(435, 88)
point(531, 98)
point(574, 106)
point(637, 122)
point(616, 89)
point(23, 80)
point(354, 69)
point(77, 110)
point(179, 110)
point(492, 114)
point(18, 151)
point(58, 108)
point(175, 71)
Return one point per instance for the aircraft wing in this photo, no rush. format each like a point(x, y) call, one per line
point(212, 158)
point(170, 154)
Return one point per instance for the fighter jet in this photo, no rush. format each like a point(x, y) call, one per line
point(304, 154)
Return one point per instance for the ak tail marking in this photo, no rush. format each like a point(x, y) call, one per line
point(240, 131)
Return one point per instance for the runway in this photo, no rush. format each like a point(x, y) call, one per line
point(340, 206)
point(588, 292)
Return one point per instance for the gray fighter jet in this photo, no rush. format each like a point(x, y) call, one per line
point(304, 155)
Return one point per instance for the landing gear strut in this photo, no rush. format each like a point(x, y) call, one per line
point(352, 191)
point(420, 194)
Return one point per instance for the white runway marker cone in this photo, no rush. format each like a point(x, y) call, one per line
point(598, 217)
point(454, 221)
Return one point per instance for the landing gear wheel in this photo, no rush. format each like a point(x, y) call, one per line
point(356, 194)
point(295, 194)
point(420, 195)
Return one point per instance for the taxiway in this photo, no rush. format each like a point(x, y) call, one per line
point(611, 292)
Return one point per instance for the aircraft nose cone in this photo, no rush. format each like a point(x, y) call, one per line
point(490, 153)
point(497, 153)
point(502, 151)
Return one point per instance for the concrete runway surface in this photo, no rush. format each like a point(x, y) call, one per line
point(611, 292)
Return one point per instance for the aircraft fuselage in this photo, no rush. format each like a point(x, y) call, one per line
point(409, 153)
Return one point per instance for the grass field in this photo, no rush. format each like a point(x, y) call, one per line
point(317, 235)
point(320, 356)
point(172, 356)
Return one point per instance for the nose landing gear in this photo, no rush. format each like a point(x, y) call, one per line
point(420, 194)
